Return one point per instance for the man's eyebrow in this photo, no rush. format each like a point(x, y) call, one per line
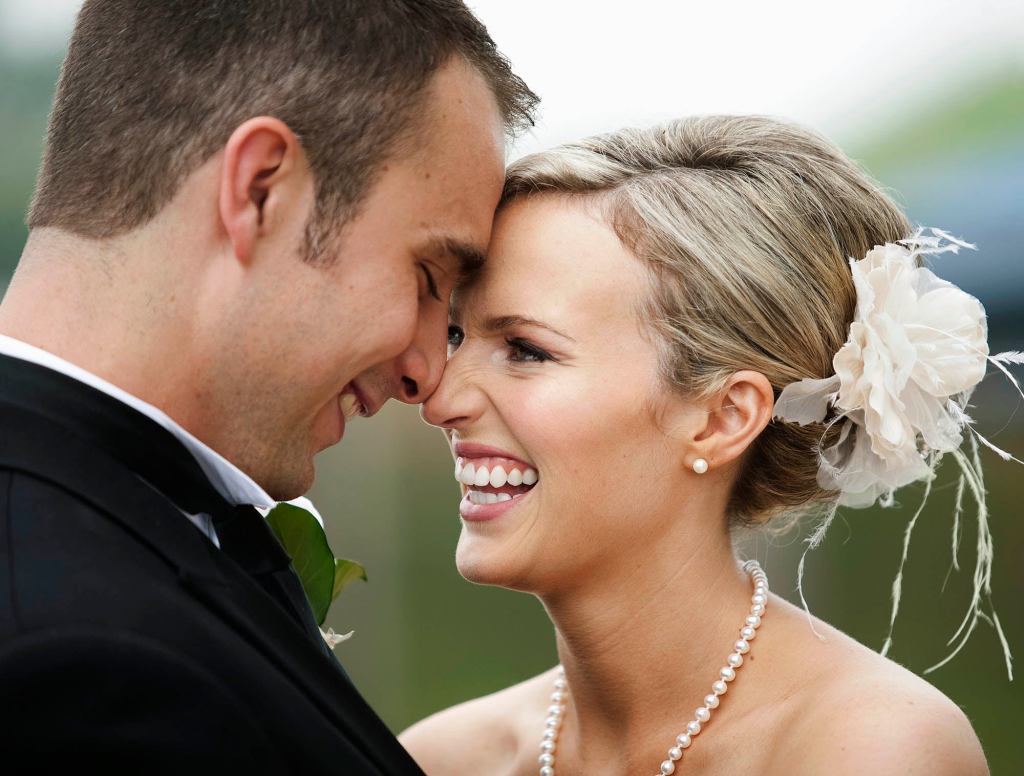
point(470, 259)
point(502, 322)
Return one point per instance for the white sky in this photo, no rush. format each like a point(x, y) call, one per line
point(601, 65)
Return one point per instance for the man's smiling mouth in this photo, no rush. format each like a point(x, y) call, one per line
point(350, 404)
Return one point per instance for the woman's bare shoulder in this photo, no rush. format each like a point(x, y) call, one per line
point(888, 721)
point(483, 733)
point(871, 715)
point(849, 710)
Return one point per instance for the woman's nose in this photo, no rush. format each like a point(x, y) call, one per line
point(456, 401)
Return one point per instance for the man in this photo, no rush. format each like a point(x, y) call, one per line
point(246, 228)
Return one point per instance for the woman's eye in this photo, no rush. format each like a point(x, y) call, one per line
point(455, 336)
point(522, 351)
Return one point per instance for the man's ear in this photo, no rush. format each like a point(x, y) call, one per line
point(258, 174)
point(735, 416)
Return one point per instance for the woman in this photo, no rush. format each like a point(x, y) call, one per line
point(609, 397)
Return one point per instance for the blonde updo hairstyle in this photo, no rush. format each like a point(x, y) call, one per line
point(746, 225)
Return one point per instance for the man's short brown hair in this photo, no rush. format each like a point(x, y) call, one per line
point(151, 89)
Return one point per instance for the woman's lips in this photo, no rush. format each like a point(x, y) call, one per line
point(478, 513)
point(487, 472)
point(473, 450)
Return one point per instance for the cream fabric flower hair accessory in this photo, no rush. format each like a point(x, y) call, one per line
point(917, 348)
point(915, 343)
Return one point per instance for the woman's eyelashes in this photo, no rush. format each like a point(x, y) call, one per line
point(523, 351)
point(518, 350)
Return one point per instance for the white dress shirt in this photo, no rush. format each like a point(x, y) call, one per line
point(231, 482)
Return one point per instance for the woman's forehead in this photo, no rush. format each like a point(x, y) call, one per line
point(555, 257)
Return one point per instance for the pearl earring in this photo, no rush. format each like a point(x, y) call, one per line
point(700, 466)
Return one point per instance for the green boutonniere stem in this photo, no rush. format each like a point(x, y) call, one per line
point(323, 576)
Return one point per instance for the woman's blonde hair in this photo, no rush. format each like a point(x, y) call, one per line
point(747, 225)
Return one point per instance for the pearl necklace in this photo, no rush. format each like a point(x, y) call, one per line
point(556, 712)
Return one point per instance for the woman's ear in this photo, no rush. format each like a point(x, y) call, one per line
point(735, 416)
point(262, 163)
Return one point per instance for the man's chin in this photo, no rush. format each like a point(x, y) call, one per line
point(289, 481)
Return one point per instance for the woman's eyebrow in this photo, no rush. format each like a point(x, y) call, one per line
point(502, 322)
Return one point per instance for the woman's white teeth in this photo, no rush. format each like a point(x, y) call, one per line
point(483, 477)
point(479, 497)
point(350, 406)
point(469, 474)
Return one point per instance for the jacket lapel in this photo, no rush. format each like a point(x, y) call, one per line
point(39, 442)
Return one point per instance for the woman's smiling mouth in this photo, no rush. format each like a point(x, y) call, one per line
point(493, 483)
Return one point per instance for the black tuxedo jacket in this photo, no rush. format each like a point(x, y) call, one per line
point(127, 639)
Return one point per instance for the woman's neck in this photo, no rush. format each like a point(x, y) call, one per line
point(641, 648)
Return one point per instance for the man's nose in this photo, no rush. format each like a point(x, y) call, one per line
point(419, 368)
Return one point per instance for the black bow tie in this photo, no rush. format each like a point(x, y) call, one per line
point(246, 538)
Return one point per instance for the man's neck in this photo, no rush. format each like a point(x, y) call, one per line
point(129, 318)
point(87, 303)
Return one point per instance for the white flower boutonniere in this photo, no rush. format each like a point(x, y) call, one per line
point(334, 639)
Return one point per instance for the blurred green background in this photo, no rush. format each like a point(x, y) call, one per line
point(426, 639)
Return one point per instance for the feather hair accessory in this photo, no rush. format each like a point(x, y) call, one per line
point(917, 348)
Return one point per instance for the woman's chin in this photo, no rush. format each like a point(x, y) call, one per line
point(480, 560)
